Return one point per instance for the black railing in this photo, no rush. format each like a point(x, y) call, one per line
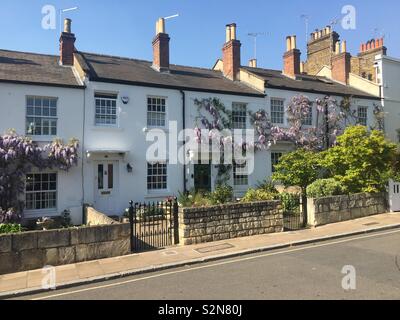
point(153, 225)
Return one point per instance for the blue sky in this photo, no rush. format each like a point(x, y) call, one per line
point(126, 28)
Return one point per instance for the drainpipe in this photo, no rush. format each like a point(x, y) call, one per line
point(184, 140)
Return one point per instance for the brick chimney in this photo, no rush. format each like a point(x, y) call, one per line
point(341, 64)
point(374, 46)
point(161, 47)
point(291, 58)
point(231, 53)
point(67, 45)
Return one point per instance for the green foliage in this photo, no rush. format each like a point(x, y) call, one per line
point(10, 228)
point(361, 161)
point(395, 166)
point(222, 194)
point(267, 185)
point(254, 195)
point(298, 168)
point(193, 199)
point(290, 202)
point(324, 188)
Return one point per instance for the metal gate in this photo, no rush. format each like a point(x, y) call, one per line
point(394, 196)
point(293, 221)
point(153, 225)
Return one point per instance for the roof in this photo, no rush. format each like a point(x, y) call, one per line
point(313, 84)
point(113, 69)
point(37, 69)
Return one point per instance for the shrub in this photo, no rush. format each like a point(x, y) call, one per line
point(9, 216)
point(254, 195)
point(290, 202)
point(361, 160)
point(268, 186)
point(222, 194)
point(10, 228)
point(324, 188)
point(193, 199)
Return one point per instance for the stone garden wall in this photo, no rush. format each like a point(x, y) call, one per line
point(36, 249)
point(328, 210)
point(199, 225)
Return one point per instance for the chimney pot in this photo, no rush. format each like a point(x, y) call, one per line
point(67, 25)
point(293, 42)
point(344, 46)
point(288, 44)
point(253, 63)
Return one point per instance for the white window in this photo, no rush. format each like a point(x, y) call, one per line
point(41, 116)
point(41, 191)
point(239, 115)
point(277, 111)
point(240, 174)
point(308, 118)
point(275, 157)
point(156, 112)
point(156, 176)
point(362, 115)
point(106, 109)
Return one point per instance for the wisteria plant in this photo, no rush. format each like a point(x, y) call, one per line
point(19, 155)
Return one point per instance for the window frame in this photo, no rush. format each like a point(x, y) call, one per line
point(164, 113)
point(273, 164)
point(162, 175)
point(48, 191)
point(363, 113)
point(50, 118)
point(308, 120)
point(238, 114)
point(272, 111)
point(106, 97)
point(240, 177)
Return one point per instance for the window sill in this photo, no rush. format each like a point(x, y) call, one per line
point(155, 195)
point(164, 129)
point(107, 128)
point(41, 213)
point(42, 138)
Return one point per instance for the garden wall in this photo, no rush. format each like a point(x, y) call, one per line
point(199, 225)
point(342, 208)
point(36, 249)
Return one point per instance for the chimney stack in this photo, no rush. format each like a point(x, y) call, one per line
point(291, 58)
point(231, 53)
point(67, 45)
point(161, 47)
point(341, 64)
point(372, 45)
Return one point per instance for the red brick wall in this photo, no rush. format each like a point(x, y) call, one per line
point(341, 65)
point(161, 51)
point(67, 48)
point(291, 62)
point(231, 59)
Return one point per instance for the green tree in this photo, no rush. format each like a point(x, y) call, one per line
point(298, 168)
point(361, 160)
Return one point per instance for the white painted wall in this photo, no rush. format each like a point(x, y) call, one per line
point(390, 80)
point(70, 125)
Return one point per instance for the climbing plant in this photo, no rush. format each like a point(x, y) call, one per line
point(19, 155)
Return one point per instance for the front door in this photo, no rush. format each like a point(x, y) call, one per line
point(106, 187)
point(202, 177)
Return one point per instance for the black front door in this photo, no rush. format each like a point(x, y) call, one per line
point(202, 177)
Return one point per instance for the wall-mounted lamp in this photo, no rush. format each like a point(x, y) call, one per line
point(129, 168)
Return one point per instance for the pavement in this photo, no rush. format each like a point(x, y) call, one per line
point(113, 269)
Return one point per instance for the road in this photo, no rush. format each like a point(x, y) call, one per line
point(307, 272)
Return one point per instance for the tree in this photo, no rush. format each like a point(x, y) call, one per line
point(298, 168)
point(19, 155)
point(361, 161)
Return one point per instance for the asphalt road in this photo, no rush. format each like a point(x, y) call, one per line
point(308, 272)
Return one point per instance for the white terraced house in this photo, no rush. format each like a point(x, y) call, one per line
point(110, 103)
